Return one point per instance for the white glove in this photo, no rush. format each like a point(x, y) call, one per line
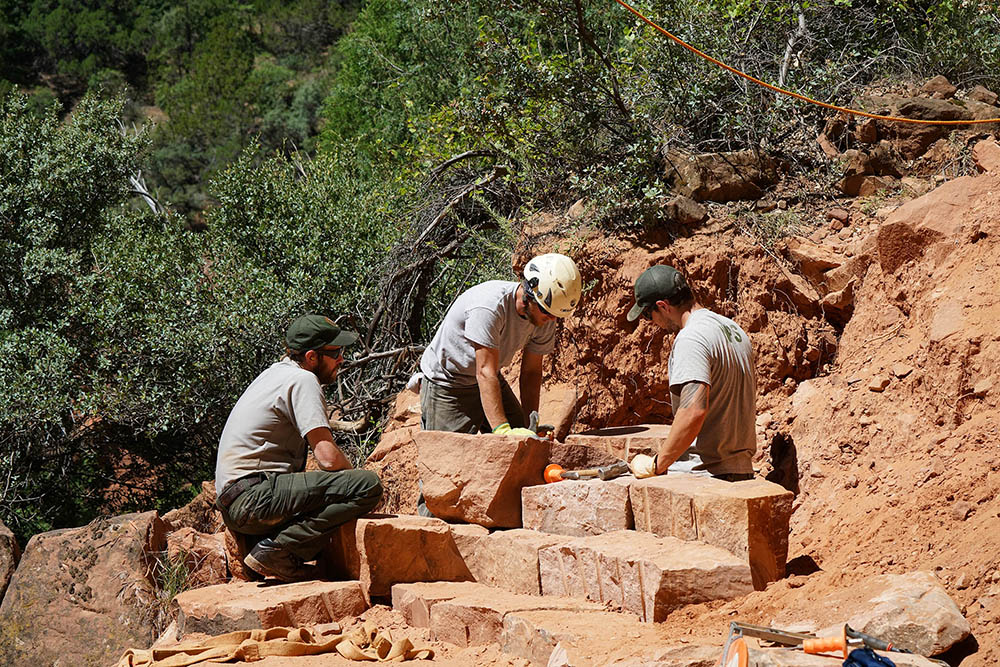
point(643, 466)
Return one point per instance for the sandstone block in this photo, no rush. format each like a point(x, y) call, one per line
point(477, 618)
point(638, 572)
point(394, 460)
point(589, 638)
point(384, 550)
point(558, 406)
point(203, 555)
point(986, 153)
point(749, 519)
point(10, 554)
point(508, 559)
point(813, 259)
point(578, 507)
point(623, 442)
point(911, 610)
point(578, 455)
point(84, 595)
point(478, 478)
point(414, 601)
point(722, 177)
point(236, 606)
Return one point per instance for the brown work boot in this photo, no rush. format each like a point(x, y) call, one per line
point(270, 560)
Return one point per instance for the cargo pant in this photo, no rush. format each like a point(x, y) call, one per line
point(300, 510)
point(460, 409)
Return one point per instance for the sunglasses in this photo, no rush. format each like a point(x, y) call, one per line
point(646, 314)
point(333, 353)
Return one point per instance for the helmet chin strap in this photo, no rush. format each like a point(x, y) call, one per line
point(526, 297)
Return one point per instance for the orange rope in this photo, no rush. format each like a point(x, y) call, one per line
point(797, 95)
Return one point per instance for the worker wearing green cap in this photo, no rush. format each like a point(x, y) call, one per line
point(712, 385)
point(263, 488)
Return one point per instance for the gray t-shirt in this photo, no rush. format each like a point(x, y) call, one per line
point(266, 430)
point(715, 350)
point(484, 315)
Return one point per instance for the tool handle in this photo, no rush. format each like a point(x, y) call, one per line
point(872, 642)
point(826, 645)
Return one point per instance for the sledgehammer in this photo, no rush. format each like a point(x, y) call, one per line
point(554, 472)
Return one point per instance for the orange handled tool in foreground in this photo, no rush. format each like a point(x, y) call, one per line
point(555, 473)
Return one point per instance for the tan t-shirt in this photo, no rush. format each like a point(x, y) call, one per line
point(266, 430)
point(714, 349)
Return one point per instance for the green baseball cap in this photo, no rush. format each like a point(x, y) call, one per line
point(657, 283)
point(312, 332)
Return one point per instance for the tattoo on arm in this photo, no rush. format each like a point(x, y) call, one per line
point(694, 395)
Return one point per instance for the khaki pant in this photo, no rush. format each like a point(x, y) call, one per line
point(460, 409)
point(299, 510)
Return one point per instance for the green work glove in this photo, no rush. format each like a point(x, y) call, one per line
point(505, 429)
point(643, 466)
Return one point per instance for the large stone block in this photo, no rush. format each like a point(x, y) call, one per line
point(83, 595)
point(588, 638)
point(638, 572)
point(623, 442)
point(578, 507)
point(384, 550)
point(237, 547)
point(477, 618)
point(911, 610)
point(200, 514)
point(748, 519)
point(580, 455)
point(508, 559)
point(478, 478)
point(414, 601)
point(215, 610)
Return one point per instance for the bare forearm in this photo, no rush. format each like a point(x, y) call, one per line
point(686, 426)
point(531, 389)
point(489, 394)
point(329, 457)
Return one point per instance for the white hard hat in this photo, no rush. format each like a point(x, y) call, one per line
point(554, 281)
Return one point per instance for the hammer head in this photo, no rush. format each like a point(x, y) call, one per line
point(612, 471)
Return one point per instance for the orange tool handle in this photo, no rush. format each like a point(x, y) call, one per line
point(826, 644)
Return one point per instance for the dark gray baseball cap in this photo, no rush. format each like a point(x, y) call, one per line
point(657, 283)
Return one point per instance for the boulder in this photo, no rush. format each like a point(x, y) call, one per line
point(911, 610)
point(838, 307)
point(986, 154)
point(476, 618)
point(983, 95)
point(200, 514)
point(812, 259)
point(508, 559)
point(204, 556)
point(873, 185)
point(384, 550)
point(685, 211)
point(223, 608)
point(748, 519)
point(641, 573)
point(578, 507)
point(478, 478)
point(405, 411)
point(414, 601)
point(921, 222)
point(909, 139)
point(10, 555)
point(587, 638)
point(722, 177)
point(939, 87)
point(394, 460)
point(84, 595)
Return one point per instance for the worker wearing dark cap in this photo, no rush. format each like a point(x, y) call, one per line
point(712, 385)
point(263, 488)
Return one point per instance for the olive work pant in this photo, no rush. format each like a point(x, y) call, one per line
point(300, 510)
point(460, 409)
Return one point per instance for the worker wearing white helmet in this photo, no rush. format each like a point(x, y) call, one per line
point(462, 389)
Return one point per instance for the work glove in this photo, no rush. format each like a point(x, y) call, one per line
point(643, 466)
point(543, 430)
point(505, 429)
